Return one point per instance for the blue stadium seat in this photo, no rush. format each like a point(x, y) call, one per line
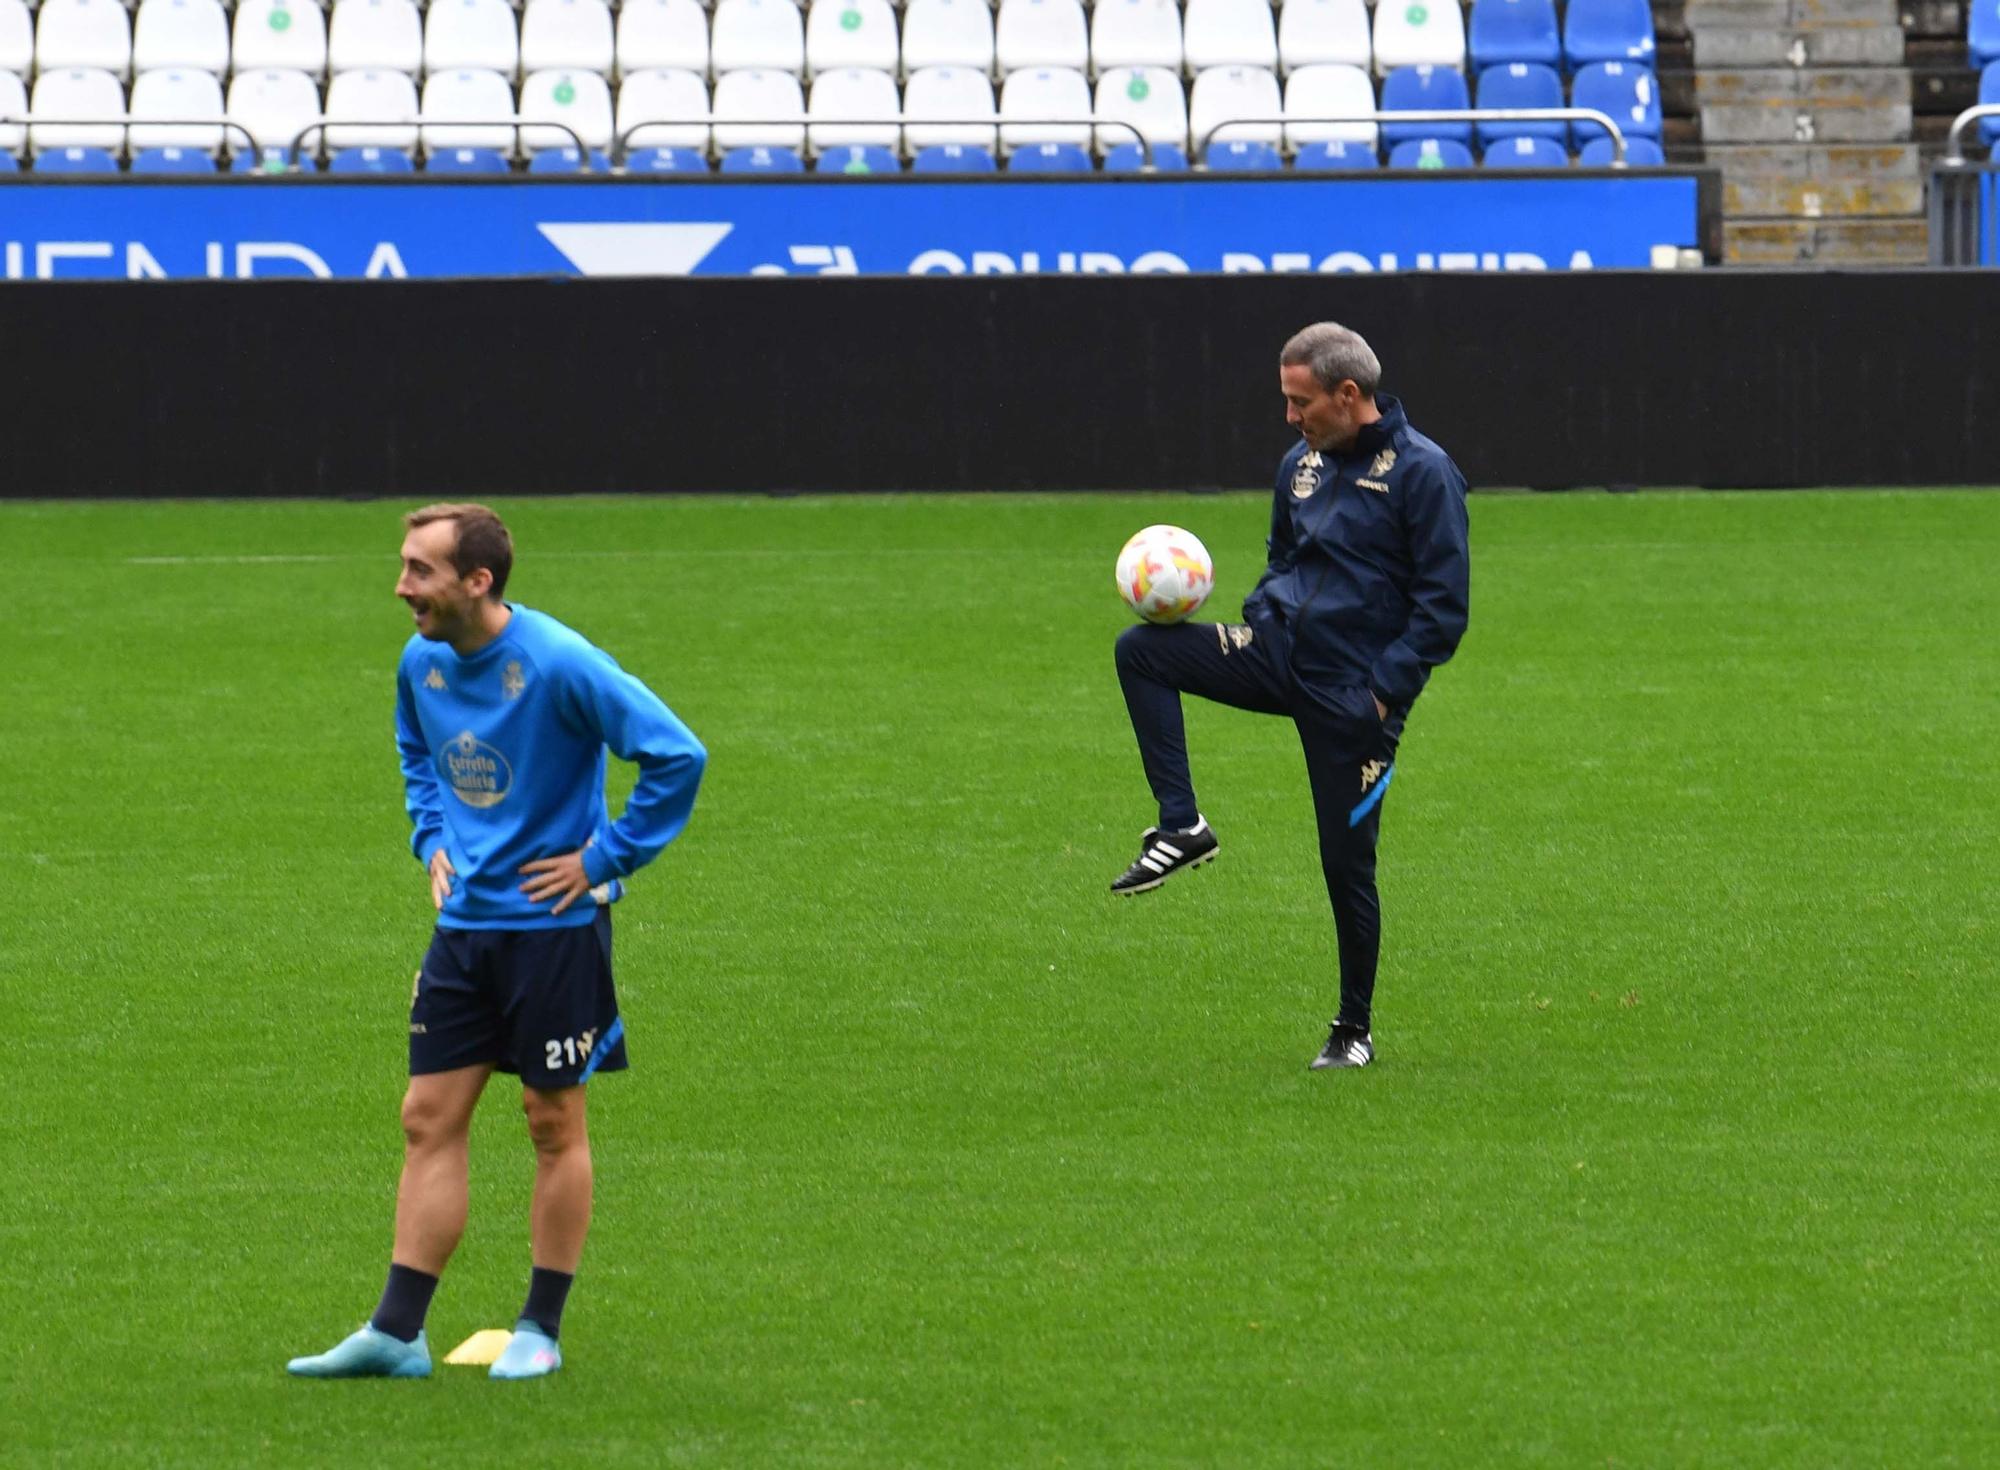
point(172, 161)
point(666, 161)
point(762, 161)
point(1243, 156)
point(1334, 157)
point(9, 164)
point(567, 161)
point(952, 158)
point(1424, 89)
point(1503, 31)
point(1520, 84)
point(260, 161)
point(1982, 32)
point(855, 160)
point(1048, 158)
point(1608, 30)
point(75, 161)
point(466, 161)
point(1989, 91)
point(1624, 91)
point(1639, 153)
point(1430, 153)
point(1526, 153)
point(1127, 158)
point(371, 160)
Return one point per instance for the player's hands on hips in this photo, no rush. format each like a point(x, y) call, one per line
point(557, 877)
point(442, 872)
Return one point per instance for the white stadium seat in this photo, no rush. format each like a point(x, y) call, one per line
point(13, 103)
point(677, 97)
point(853, 92)
point(1324, 33)
point(180, 35)
point(844, 33)
point(470, 35)
point(662, 35)
point(1135, 33)
point(559, 34)
point(757, 35)
point(94, 34)
point(376, 35)
point(77, 92)
point(573, 96)
point(189, 93)
point(276, 106)
point(1425, 34)
point(948, 92)
point(469, 93)
point(1041, 35)
point(376, 95)
point(1148, 97)
point(1046, 92)
point(290, 34)
point(1224, 92)
point(1328, 91)
point(1231, 33)
point(947, 33)
point(17, 38)
point(758, 94)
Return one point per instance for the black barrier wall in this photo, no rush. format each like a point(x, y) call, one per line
point(425, 390)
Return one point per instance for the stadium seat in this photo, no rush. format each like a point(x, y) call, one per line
point(1429, 153)
point(1129, 158)
point(9, 164)
point(567, 160)
point(855, 161)
point(477, 95)
point(275, 106)
point(853, 92)
point(1639, 153)
point(370, 96)
point(662, 35)
point(1425, 89)
point(17, 38)
point(1149, 98)
point(1982, 32)
point(287, 34)
point(376, 35)
point(851, 33)
point(667, 161)
point(1622, 90)
point(1506, 31)
point(948, 92)
point(176, 94)
point(1521, 152)
point(1041, 35)
point(260, 160)
point(1224, 92)
point(1329, 91)
point(471, 35)
point(77, 92)
point(578, 99)
point(170, 161)
point(1334, 156)
point(180, 35)
point(13, 103)
point(1520, 84)
point(1989, 93)
point(1045, 94)
point(1324, 33)
point(1234, 33)
point(756, 35)
point(1048, 158)
point(1608, 30)
point(947, 33)
point(1227, 157)
point(567, 35)
point(676, 102)
point(372, 160)
point(1418, 33)
point(761, 160)
point(952, 158)
point(76, 160)
point(1135, 33)
point(466, 161)
point(760, 95)
point(93, 34)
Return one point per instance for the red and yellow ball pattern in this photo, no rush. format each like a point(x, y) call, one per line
point(1165, 574)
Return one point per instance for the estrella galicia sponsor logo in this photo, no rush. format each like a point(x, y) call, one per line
point(479, 774)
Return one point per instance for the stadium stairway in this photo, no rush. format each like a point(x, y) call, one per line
point(1806, 107)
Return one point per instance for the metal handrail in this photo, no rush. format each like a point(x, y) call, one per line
point(1452, 115)
point(1954, 148)
point(128, 122)
point(516, 123)
point(621, 147)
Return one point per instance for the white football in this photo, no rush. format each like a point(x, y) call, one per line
point(1164, 574)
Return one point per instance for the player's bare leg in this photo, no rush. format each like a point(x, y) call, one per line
point(558, 1221)
point(431, 1200)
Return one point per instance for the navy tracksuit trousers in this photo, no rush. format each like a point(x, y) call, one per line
point(1350, 755)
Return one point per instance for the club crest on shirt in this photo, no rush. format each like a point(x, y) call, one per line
point(513, 681)
point(1305, 479)
point(434, 680)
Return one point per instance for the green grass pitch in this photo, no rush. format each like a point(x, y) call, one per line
point(1681, 1150)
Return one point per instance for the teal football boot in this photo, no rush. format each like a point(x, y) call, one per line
point(367, 1354)
point(531, 1353)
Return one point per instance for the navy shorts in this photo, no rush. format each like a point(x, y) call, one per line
point(535, 1002)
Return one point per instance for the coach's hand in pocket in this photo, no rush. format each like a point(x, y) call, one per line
point(557, 876)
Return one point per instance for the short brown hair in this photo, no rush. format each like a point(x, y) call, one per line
point(482, 541)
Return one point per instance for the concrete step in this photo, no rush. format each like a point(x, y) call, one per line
point(1942, 20)
point(1830, 163)
point(1825, 242)
point(1941, 92)
point(1821, 198)
point(1790, 14)
point(1821, 87)
point(1755, 123)
point(1731, 46)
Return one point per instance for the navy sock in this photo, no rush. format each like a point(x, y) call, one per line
point(547, 1291)
point(404, 1302)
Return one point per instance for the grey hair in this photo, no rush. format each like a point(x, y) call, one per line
point(1334, 353)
